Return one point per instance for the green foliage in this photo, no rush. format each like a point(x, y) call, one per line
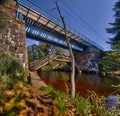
point(41, 50)
point(83, 109)
point(115, 30)
point(47, 67)
point(61, 104)
point(44, 49)
point(91, 106)
point(49, 89)
point(58, 50)
point(59, 97)
point(110, 62)
point(58, 66)
point(98, 104)
point(10, 66)
point(62, 66)
point(37, 51)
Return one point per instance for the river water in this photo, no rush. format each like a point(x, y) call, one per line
point(84, 82)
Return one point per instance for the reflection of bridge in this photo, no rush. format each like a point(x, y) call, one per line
point(41, 28)
point(36, 64)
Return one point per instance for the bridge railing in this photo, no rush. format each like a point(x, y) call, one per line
point(47, 16)
point(41, 11)
point(36, 64)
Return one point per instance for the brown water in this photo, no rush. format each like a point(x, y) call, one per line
point(84, 82)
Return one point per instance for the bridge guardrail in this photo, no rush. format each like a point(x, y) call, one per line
point(41, 62)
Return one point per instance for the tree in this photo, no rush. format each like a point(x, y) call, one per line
point(33, 52)
point(44, 49)
point(40, 51)
point(115, 30)
point(110, 62)
point(71, 55)
point(37, 51)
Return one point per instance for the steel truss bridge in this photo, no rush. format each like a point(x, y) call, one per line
point(43, 28)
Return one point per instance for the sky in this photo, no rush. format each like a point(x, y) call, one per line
point(89, 17)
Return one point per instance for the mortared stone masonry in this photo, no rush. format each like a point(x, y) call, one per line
point(12, 32)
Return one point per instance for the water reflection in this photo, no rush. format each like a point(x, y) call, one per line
point(85, 80)
point(55, 76)
point(94, 80)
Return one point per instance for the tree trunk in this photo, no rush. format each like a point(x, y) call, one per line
point(71, 55)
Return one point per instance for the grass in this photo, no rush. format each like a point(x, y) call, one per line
point(9, 66)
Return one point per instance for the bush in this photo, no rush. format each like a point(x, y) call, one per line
point(10, 66)
point(110, 62)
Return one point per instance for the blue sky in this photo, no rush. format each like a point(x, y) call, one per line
point(89, 17)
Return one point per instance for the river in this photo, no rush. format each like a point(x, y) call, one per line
point(84, 82)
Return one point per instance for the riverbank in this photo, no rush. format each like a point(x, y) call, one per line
point(36, 80)
point(110, 74)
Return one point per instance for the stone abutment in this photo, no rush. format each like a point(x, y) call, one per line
point(12, 32)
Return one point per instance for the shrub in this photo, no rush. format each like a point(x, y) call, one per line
point(10, 66)
point(110, 62)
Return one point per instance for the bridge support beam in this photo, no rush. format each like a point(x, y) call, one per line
point(12, 32)
point(88, 61)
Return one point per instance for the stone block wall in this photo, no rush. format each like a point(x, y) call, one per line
point(12, 33)
point(88, 61)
